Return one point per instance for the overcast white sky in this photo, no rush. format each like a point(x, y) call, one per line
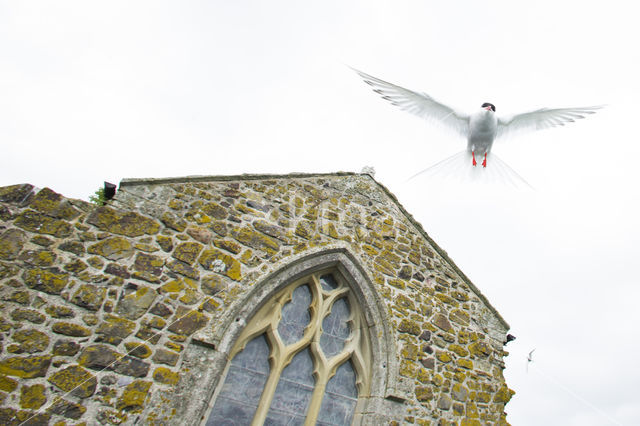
point(93, 91)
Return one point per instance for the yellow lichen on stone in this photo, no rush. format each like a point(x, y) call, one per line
point(134, 395)
point(112, 248)
point(465, 363)
point(46, 281)
point(32, 397)
point(165, 376)
point(217, 261)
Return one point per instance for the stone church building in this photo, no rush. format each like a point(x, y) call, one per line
point(237, 300)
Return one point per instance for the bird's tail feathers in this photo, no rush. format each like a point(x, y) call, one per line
point(459, 167)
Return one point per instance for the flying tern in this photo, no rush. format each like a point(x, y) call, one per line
point(482, 128)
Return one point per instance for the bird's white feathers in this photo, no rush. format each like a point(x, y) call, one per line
point(457, 169)
point(420, 104)
point(475, 129)
point(539, 119)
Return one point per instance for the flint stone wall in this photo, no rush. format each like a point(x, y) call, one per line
point(118, 314)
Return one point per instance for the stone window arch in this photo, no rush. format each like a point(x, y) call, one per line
point(303, 358)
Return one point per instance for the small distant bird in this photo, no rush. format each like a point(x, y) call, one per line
point(481, 128)
point(529, 359)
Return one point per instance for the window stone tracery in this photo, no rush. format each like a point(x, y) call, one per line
point(303, 358)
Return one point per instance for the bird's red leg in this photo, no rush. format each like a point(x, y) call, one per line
point(473, 155)
point(484, 162)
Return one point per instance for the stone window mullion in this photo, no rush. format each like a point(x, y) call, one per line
point(320, 353)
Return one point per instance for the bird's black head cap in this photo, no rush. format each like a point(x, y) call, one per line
point(487, 104)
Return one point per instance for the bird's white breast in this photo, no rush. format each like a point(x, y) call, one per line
point(483, 126)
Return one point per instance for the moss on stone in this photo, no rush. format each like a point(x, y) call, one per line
point(89, 297)
point(187, 252)
point(137, 349)
point(114, 248)
point(228, 245)
point(465, 363)
point(44, 280)
point(11, 243)
point(37, 222)
point(165, 376)
point(189, 323)
point(134, 395)
point(130, 224)
point(76, 380)
point(409, 326)
point(32, 397)
point(31, 340)
point(7, 384)
point(503, 395)
point(70, 329)
point(22, 297)
point(27, 367)
point(217, 261)
point(256, 240)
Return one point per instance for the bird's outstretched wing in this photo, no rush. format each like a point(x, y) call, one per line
point(419, 104)
point(541, 119)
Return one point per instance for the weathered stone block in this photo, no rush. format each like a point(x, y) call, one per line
point(200, 234)
point(53, 204)
point(162, 356)
point(32, 397)
point(172, 221)
point(212, 284)
point(136, 304)
point(98, 357)
point(70, 329)
point(183, 269)
point(409, 326)
point(112, 248)
point(165, 376)
point(15, 193)
point(75, 247)
point(256, 240)
point(217, 261)
point(89, 297)
point(76, 380)
point(114, 329)
point(11, 243)
point(37, 222)
point(22, 297)
point(134, 396)
point(131, 366)
point(189, 323)
point(149, 263)
point(27, 367)
point(31, 340)
point(48, 281)
point(138, 349)
point(67, 409)
point(65, 348)
point(442, 323)
point(130, 224)
point(57, 311)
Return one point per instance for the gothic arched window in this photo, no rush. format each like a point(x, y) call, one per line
point(303, 358)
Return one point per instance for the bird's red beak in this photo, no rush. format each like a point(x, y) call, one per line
point(488, 108)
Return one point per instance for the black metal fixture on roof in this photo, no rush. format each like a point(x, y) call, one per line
point(109, 190)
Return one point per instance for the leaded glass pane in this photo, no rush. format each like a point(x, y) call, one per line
point(293, 393)
point(335, 328)
point(295, 315)
point(340, 398)
point(243, 385)
point(328, 283)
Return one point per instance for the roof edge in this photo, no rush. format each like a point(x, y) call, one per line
point(442, 253)
point(227, 178)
